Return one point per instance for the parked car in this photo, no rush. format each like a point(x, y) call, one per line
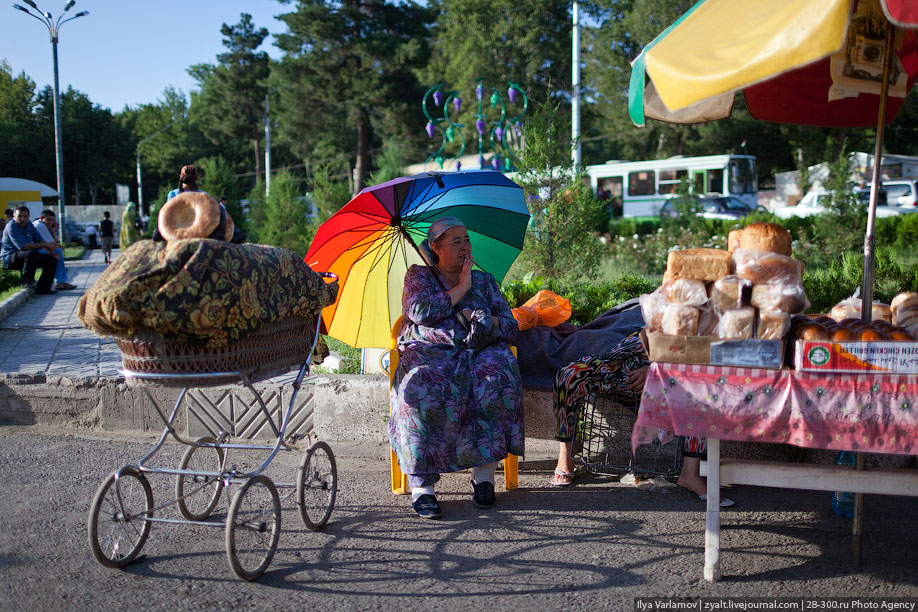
point(863, 196)
point(818, 202)
point(713, 207)
point(902, 193)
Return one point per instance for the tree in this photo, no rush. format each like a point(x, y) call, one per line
point(348, 78)
point(281, 219)
point(230, 106)
point(560, 243)
point(218, 180)
point(22, 154)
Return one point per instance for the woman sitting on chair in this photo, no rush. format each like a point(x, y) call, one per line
point(456, 395)
point(622, 371)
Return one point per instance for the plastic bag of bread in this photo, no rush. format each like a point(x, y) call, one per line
point(653, 305)
point(707, 321)
point(772, 325)
point(687, 291)
point(904, 309)
point(680, 320)
point(727, 293)
point(762, 267)
point(736, 324)
point(784, 296)
point(852, 308)
point(761, 236)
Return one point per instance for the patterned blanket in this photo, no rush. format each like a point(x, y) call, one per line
point(202, 291)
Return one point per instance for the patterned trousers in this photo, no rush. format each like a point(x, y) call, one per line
point(598, 374)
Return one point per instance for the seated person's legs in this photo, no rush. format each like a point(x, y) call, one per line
point(623, 369)
point(60, 271)
point(31, 261)
point(422, 495)
point(693, 451)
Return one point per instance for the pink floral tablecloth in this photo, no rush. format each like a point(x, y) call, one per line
point(871, 413)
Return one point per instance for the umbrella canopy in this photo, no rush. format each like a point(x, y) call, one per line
point(796, 61)
point(826, 63)
point(371, 242)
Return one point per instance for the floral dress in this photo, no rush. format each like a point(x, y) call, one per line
point(457, 395)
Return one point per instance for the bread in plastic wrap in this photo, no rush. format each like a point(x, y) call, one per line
point(680, 320)
point(852, 308)
point(761, 236)
point(736, 324)
point(727, 293)
point(653, 305)
point(762, 267)
point(787, 297)
point(687, 291)
point(773, 325)
point(904, 307)
point(707, 321)
point(698, 264)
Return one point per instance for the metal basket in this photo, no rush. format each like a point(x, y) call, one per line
point(274, 349)
point(604, 441)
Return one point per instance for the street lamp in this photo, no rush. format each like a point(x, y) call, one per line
point(139, 176)
point(53, 29)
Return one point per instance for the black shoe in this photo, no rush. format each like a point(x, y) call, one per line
point(484, 494)
point(427, 507)
point(31, 284)
point(45, 292)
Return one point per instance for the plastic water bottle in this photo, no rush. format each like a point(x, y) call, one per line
point(842, 501)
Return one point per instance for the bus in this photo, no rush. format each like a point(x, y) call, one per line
point(640, 188)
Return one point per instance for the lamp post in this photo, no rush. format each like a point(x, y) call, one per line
point(267, 146)
point(139, 176)
point(53, 29)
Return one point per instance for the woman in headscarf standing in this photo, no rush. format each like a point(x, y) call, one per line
point(129, 233)
point(457, 394)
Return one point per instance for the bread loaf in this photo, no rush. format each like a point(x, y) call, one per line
point(679, 320)
point(733, 240)
point(707, 321)
point(904, 307)
point(764, 236)
point(686, 291)
point(698, 264)
point(784, 297)
point(736, 324)
point(772, 325)
point(901, 298)
point(846, 309)
point(762, 267)
point(727, 293)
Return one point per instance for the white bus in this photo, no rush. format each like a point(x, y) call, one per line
point(637, 189)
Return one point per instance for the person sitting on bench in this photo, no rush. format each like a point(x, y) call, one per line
point(20, 249)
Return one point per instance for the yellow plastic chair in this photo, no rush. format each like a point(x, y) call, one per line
point(399, 480)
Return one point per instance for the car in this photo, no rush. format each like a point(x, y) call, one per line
point(863, 196)
point(712, 207)
point(818, 202)
point(903, 193)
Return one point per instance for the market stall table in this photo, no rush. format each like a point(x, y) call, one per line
point(875, 413)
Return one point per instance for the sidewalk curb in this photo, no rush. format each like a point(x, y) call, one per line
point(10, 304)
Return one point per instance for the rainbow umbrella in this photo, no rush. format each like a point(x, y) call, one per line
point(834, 63)
point(371, 242)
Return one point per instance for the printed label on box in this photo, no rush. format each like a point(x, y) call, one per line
point(747, 353)
point(857, 356)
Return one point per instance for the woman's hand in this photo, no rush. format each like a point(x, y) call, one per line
point(465, 275)
point(635, 379)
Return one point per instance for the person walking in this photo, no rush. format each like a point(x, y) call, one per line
point(129, 232)
point(106, 235)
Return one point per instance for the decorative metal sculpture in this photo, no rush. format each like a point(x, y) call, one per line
point(501, 137)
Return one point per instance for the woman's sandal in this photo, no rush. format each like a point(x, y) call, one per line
point(558, 480)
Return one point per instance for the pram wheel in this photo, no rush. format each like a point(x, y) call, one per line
point(197, 495)
point(253, 527)
point(317, 486)
point(117, 526)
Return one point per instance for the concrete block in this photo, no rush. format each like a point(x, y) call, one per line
point(351, 407)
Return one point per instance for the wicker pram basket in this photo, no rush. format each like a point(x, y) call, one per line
point(274, 349)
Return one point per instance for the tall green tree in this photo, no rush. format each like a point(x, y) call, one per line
point(229, 109)
point(22, 148)
point(281, 219)
point(346, 80)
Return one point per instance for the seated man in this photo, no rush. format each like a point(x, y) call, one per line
point(20, 249)
point(46, 225)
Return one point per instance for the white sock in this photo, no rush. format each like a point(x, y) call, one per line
point(484, 473)
point(416, 492)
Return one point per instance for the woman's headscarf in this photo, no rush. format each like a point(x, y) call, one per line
point(437, 229)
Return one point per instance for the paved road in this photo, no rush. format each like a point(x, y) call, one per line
point(593, 547)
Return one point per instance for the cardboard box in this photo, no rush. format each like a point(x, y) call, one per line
point(710, 350)
point(861, 357)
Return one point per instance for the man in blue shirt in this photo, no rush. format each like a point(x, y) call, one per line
point(20, 249)
point(45, 225)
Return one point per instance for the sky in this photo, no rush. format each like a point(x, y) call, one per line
point(126, 52)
